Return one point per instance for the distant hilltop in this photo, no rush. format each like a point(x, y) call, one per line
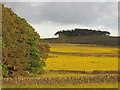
point(84, 36)
point(81, 32)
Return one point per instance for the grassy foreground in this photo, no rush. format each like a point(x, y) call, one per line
point(61, 74)
point(75, 85)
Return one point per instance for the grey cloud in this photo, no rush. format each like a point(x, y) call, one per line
point(84, 13)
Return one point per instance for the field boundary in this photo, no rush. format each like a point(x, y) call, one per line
point(61, 80)
point(88, 72)
point(87, 54)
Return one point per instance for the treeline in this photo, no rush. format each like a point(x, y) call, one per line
point(82, 32)
point(22, 50)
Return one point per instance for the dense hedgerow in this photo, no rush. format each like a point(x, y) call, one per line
point(22, 50)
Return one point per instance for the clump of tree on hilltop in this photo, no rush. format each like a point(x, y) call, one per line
point(82, 32)
point(22, 50)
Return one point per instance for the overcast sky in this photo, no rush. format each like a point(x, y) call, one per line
point(50, 17)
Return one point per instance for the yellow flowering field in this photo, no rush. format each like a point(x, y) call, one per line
point(82, 48)
point(69, 62)
point(77, 62)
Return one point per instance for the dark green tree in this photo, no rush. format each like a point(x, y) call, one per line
point(22, 50)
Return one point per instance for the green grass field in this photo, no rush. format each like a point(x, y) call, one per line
point(61, 74)
point(75, 85)
point(92, 40)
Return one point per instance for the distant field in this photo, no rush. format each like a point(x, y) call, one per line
point(93, 40)
point(82, 48)
point(88, 63)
